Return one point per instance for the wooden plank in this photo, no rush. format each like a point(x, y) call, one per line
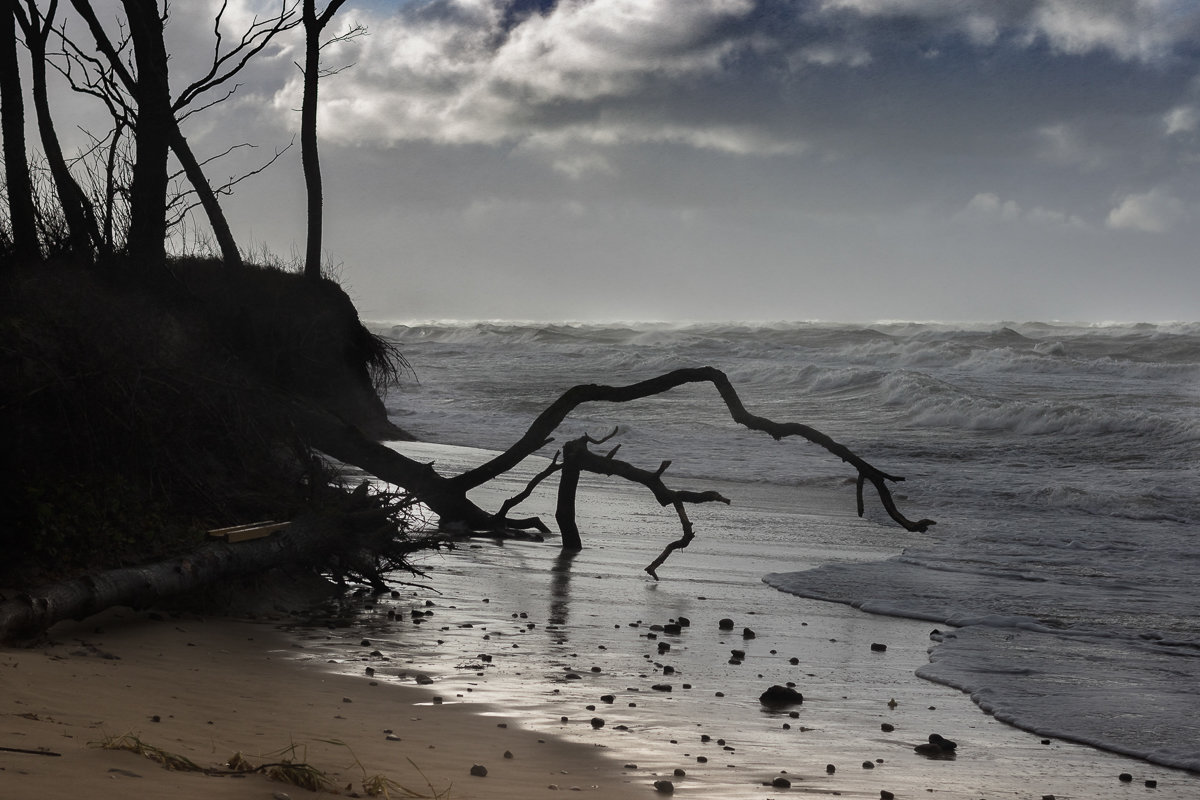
point(244, 533)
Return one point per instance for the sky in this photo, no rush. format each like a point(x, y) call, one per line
point(750, 160)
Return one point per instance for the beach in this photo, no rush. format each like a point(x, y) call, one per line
point(205, 689)
point(573, 664)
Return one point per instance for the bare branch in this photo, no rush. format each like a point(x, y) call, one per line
point(225, 65)
point(553, 416)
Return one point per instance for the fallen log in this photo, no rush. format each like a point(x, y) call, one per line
point(309, 540)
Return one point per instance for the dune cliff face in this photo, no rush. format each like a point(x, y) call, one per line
point(137, 415)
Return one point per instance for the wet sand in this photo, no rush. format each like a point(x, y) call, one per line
point(520, 627)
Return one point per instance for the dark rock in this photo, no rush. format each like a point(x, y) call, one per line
point(781, 783)
point(780, 696)
point(876, 647)
point(597, 722)
point(725, 624)
point(664, 787)
point(508, 754)
point(830, 768)
point(884, 794)
point(887, 727)
point(672, 628)
point(679, 773)
point(1151, 783)
point(747, 633)
point(740, 655)
point(607, 698)
point(868, 765)
point(661, 687)
point(479, 771)
point(1125, 777)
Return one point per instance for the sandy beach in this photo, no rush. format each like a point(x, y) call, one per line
point(206, 689)
point(571, 664)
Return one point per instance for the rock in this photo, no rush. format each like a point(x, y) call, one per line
point(1151, 783)
point(937, 746)
point(661, 687)
point(780, 696)
point(508, 754)
point(664, 787)
point(607, 698)
point(679, 773)
point(884, 794)
point(740, 655)
point(281, 796)
point(1125, 777)
point(830, 768)
point(781, 783)
point(868, 765)
point(597, 722)
point(479, 771)
point(673, 629)
point(748, 633)
point(630, 766)
point(725, 624)
point(876, 647)
point(887, 727)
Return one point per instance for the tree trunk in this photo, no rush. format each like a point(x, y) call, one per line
point(83, 231)
point(22, 216)
point(308, 140)
point(155, 124)
point(208, 199)
point(307, 541)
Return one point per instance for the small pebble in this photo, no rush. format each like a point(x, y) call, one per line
point(679, 773)
point(781, 783)
point(664, 787)
point(868, 765)
point(876, 647)
point(479, 771)
point(884, 794)
point(830, 768)
point(597, 722)
point(508, 754)
point(1125, 777)
point(887, 727)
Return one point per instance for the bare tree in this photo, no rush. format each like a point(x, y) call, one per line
point(22, 216)
point(314, 25)
point(146, 27)
point(82, 230)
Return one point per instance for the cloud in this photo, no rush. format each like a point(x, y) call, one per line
point(1181, 120)
point(987, 207)
point(1155, 211)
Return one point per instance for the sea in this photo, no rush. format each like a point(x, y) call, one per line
point(1060, 461)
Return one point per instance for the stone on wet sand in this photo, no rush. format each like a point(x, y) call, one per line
point(780, 696)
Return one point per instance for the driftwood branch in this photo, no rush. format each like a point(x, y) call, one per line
point(577, 458)
point(553, 416)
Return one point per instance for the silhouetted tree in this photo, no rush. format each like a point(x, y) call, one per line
point(146, 30)
point(22, 217)
point(314, 24)
point(83, 232)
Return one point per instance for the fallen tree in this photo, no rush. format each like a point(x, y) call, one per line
point(447, 495)
point(357, 541)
